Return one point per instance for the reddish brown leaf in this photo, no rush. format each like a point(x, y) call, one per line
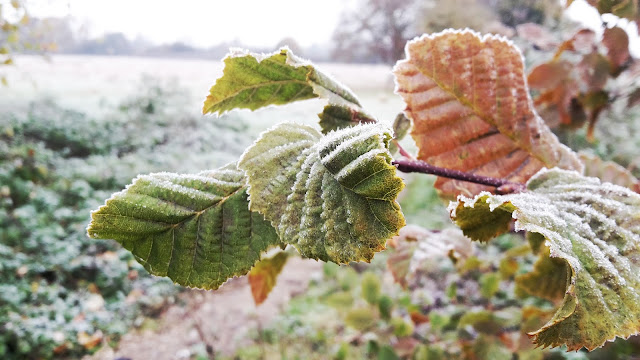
point(634, 98)
point(609, 171)
point(549, 75)
point(469, 101)
point(418, 318)
point(582, 41)
point(262, 277)
point(617, 42)
point(594, 71)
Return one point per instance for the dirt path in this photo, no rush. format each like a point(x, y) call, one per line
point(222, 318)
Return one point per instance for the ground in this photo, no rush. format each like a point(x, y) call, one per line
point(220, 318)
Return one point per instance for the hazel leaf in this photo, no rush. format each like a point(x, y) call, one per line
point(252, 81)
point(594, 228)
point(263, 276)
point(468, 98)
point(195, 229)
point(333, 197)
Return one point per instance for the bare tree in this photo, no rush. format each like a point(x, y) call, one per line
point(375, 31)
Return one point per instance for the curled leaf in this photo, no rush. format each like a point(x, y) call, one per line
point(336, 117)
point(252, 81)
point(195, 229)
point(332, 197)
point(471, 110)
point(595, 228)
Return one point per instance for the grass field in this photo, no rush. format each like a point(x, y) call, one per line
point(92, 83)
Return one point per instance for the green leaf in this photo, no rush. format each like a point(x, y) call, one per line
point(332, 197)
point(595, 228)
point(360, 319)
point(195, 229)
point(336, 117)
point(252, 81)
point(371, 288)
point(263, 276)
point(549, 278)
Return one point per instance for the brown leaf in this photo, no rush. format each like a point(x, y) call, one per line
point(609, 171)
point(634, 98)
point(549, 75)
point(617, 42)
point(582, 41)
point(262, 277)
point(470, 105)
point(594, 71)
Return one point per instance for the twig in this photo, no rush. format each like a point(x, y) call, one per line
point(401, 150)
point(504, 186)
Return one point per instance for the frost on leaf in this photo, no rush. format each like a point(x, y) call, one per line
point(595, 228)
point(471, 111)
point(263, 276)
point(332, 197)
point(252, 81)
point(195, 229)
point(336, 117)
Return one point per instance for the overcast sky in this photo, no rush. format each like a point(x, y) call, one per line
point(261, 23)
point(203, 22)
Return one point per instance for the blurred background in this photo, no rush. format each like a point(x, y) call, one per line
point(95, 92)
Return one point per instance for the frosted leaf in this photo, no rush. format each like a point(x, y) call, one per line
point(195, 229)
point(595, 228)
point(251, 81)
point(471, 110)
point(332, 197)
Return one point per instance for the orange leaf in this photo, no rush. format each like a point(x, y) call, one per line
point(469, 101)
point(263, 276)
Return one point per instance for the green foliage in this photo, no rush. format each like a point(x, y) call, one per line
point(252, 81)
point(591, 226)
point(371, 288)
point(333, 198)
point(195, 229)
point(62, 294)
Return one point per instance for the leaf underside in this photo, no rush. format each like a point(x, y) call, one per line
point(195, 229)
point(595, 228)
point(252, 81)
point(332, 197)
point(471, 111)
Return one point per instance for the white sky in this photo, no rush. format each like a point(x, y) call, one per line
point(203, 22)
point(252, 22)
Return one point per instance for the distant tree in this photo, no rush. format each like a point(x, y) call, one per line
point(444, 14)
point(292, 44)
point(515, 12)
point(375, 31)
point(13, 17)
point(109, 44)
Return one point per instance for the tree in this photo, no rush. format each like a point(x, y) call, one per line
point(436, 16)
point(375, 31)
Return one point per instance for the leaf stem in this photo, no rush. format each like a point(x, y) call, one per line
point(503, 185)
